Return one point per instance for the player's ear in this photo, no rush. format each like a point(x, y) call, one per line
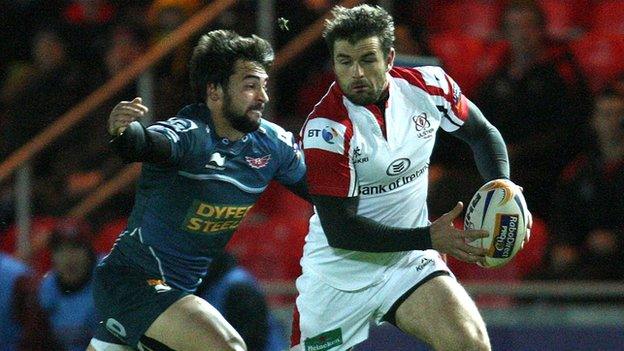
point(214, 92)
point(390, 59)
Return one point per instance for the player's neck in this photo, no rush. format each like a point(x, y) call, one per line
point(223, 129)
point(383, 98)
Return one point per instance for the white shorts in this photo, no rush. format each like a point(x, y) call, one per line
point(336, 320)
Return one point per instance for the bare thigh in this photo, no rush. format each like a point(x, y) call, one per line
point(192, 324)
point(441, 313)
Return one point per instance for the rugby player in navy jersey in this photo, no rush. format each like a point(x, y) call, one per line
point(202, 171)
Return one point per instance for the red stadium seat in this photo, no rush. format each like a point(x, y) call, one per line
point(565, 19)
point(526, 261)
point(311, 93)
point(445, 16)
point(41, 228)
point(467, 59)
point(600, 57)
point(269, 241)
point(481, 18)
point(608, 17)
point(478, 18)
point(104, 241)
point(531, 258)
point(271, 247)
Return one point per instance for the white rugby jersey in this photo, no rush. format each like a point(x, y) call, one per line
point(347, 155)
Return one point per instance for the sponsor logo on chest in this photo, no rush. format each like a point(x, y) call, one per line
point(398, 166)
point(205, 218)
point(358, 157)
point(424, 130)
point(395, 184)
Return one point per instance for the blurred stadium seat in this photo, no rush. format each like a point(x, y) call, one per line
point(465, 58)
point(105, 239)
point(608, 17)
point(528, 260)
point(565, 19)
point(477, 18)
point(269, 241)
point(600, 57)
point(41, 228)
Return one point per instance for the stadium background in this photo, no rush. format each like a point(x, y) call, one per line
point(563, 292)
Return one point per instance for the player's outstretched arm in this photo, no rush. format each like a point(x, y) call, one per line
point(347, 230)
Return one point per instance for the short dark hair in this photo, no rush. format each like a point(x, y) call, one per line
point(526, 5)
point(609, 92)
point(216, 54)
point(359, 23)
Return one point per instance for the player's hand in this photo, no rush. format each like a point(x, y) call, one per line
point(528, 233)
point(125, 113)
point(529, 221)
point(445, 238)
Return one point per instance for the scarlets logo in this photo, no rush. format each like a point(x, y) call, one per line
point(258, 162)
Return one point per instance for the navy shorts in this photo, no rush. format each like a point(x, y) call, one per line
point(128, 301)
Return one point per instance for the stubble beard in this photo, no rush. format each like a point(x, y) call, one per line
point(363, 99)
point(238, 121)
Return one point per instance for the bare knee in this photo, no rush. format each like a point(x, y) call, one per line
point(227, 340)
point(236, 344)
point(192, 324)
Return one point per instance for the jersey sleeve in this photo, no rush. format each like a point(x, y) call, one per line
point(326, 146)
point(181, 133)
point(450, 101)
point(291, 168)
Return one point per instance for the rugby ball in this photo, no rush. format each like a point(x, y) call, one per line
point(498, 207)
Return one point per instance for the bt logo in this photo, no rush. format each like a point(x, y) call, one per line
point(328, 133)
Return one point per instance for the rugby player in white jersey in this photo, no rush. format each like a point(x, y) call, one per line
point(371, 254)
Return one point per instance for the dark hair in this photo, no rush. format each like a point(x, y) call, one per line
point(216, 54)
point(71, 232)
point(359, 23)
point(528, 5)
point(610, 92)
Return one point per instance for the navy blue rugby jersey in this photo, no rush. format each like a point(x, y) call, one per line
point(185, 213)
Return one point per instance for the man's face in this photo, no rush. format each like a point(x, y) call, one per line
point(72, 263)
point(608, 118)
point(361, 69)
point(245, 96)
point(523, 30)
